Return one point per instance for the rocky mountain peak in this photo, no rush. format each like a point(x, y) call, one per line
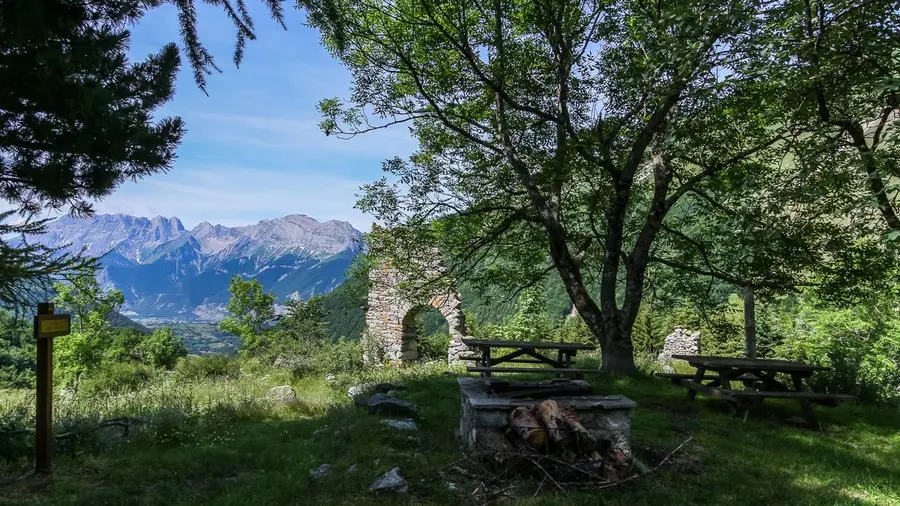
point(165, 229)
point(165, 270)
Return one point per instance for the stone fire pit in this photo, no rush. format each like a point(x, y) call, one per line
point(487, 403)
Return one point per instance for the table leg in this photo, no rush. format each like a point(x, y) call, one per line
point(569, 356)
point(486, 360)
point(805, 406)
point(698, 377)
point(725, 380)
point(559, 362)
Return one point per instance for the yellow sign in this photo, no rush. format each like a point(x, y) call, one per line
point(53, 325)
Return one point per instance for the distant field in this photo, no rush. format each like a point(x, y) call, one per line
point(201, 338)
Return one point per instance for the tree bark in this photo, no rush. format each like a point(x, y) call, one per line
point(749, 322)
point(585, 442)
point(874, 180)
point(618, 352)
point(552, 418)
point(605, 320)
point(527, 427)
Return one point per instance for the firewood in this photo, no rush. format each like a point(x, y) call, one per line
point(586, 443)
point(552, 418)
point(527, 427)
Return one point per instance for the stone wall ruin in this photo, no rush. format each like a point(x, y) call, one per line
point(680, 342)
point(390, 334)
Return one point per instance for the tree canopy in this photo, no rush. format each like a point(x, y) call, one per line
point(250, 310)
point(588, 135)
point(77, 117)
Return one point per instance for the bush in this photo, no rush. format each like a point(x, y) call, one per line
point(207, 366)
point(861, 347)
point(434, 347)
point(117, 377)
point(162, 348)
point(341, 356)
point(574, 330)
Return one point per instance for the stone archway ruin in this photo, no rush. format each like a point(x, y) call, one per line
point(390, 332)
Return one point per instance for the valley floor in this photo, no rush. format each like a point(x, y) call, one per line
point(242, 451)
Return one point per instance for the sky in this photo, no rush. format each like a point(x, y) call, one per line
point(253, 149)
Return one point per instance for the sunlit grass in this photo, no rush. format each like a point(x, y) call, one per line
point(220, 441)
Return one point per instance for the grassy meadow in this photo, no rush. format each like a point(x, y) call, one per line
point(217, 440)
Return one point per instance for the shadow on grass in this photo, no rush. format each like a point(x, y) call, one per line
point(228, 460)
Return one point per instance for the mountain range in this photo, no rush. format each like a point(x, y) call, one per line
point(167, 272)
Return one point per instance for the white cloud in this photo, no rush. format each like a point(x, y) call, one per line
point(296, 135)
point(239, 196)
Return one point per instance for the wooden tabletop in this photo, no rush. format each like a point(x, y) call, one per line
point(747, 363)
point(525, 345)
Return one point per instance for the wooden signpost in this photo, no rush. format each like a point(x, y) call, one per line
point(46, 326)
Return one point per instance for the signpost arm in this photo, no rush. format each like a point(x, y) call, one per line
point(43, 461)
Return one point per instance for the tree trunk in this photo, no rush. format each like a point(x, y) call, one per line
point(615, 345)
point(617, 353)
point(749, 322)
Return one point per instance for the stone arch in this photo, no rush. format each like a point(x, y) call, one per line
point(390, 332)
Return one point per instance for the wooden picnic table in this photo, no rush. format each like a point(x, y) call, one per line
point(759, 378)
point(525, 352)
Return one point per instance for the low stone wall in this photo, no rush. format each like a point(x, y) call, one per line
point(680, 342)
point(606, 417)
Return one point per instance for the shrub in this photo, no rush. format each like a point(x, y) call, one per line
point(162, 348)
point(861, 347)
point(207, 366)
point(342, 356)
point(433, 347)
point(117, 377)
point(574, 330)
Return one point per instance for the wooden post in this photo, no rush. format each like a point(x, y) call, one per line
point(749, 322)
point(43, 461)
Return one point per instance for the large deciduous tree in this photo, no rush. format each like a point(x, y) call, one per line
point(562, 131)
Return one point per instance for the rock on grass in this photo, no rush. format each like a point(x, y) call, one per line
point(321, 471)
point(381, 403)
point(283, 394)
point(407, 424)
point(390, 481)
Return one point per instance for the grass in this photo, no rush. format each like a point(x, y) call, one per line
point(223, 444)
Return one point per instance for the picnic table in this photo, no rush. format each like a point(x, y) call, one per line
point(759, 379)
point(525, 352)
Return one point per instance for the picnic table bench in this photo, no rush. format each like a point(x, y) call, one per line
point(758, 378)
point(525, 352)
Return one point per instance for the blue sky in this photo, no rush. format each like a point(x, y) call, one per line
point(253, 149)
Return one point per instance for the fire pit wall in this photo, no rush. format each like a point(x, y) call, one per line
point(606, 417)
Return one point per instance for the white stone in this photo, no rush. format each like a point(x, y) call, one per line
point(321, 471)
point(390, 481)
point(407, 424)
point(283, 394)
